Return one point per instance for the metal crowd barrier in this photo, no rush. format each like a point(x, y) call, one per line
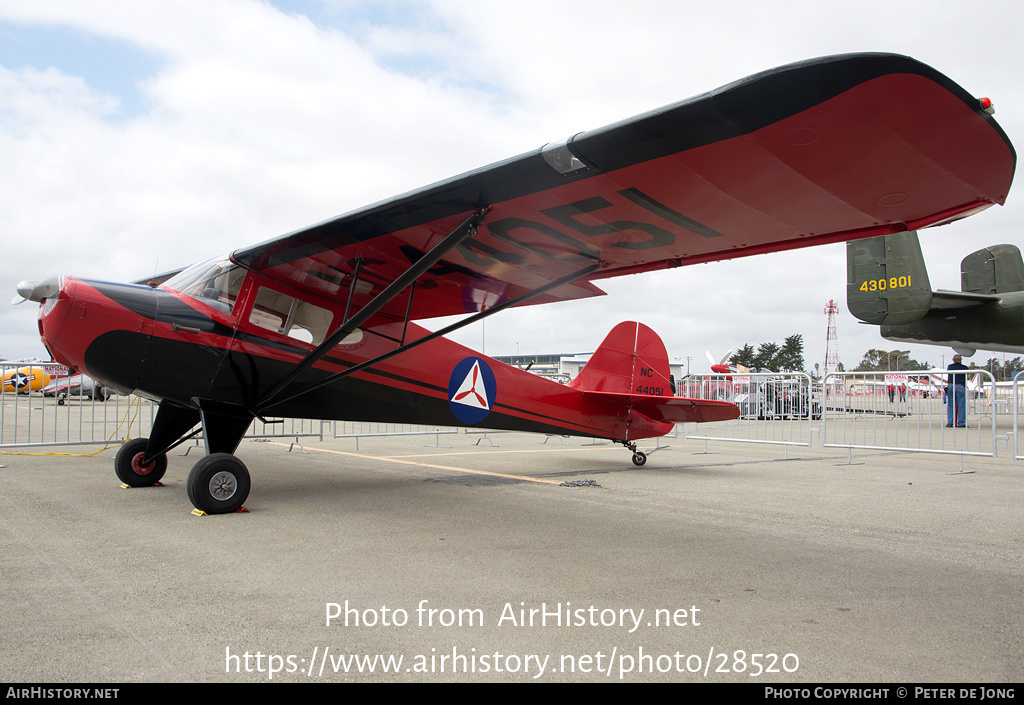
point(908, 411)
point(287, 428)
point(775, 408)
point(46, 404)
point(365, 429)
point(42, 404)
point(1016, 401)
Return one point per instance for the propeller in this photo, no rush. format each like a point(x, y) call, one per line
point(720, 362)
point(37, 291)
point(722, 365)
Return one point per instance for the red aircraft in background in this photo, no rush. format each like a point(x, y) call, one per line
point(320, 323)
point(723, 366)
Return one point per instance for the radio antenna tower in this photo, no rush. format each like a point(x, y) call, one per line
point(831, 342)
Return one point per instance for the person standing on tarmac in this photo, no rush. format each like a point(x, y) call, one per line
point(956, 395)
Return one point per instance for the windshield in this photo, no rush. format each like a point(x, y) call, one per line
point(217, 280)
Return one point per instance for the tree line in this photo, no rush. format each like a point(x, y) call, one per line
point(789, 357)
point(900, 360)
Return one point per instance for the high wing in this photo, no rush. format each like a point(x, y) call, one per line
point(821, 151)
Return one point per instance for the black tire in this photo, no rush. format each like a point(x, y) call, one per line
point(639, 458)
point(218, 484)
point(129, 468)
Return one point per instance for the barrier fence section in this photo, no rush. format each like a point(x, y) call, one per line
point(911, 411)
point(366, 429)
point(46, 404)
point(1016, 400)
point(775, 407)
point(287, 428)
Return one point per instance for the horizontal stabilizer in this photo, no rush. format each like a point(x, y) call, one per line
point(960, 299)
point(676, 409)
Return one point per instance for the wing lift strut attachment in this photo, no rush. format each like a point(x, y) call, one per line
point(219, 482)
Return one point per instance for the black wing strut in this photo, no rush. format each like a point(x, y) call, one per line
point(467, 229)
point(404, 347)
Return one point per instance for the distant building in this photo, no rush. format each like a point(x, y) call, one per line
point(564, 367)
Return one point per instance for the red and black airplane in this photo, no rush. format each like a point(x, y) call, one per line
point(320, 323)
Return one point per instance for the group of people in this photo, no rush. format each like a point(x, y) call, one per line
point(954, 396)
point(891, 388)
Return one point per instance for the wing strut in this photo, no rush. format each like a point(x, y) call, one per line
point(589, 269)
point(352, 288)
point(408, 311)
point(467, 229)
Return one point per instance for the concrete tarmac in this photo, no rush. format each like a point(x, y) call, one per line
point(472, 563)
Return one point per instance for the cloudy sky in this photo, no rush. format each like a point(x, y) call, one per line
point(143, 135)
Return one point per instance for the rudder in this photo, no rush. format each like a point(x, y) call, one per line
point(886, 279)
point(631, 359)
point(997, 269)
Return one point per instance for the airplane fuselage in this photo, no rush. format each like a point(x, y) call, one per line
point(997, 326)
point(178, 349)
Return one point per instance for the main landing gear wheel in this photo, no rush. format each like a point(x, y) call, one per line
point(218, 484)
point(129, 468)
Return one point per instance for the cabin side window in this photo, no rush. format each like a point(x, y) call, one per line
point(289, 316)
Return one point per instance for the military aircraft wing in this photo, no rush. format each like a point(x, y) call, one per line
point(821, 151)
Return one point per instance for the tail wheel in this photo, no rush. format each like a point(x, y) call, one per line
point(129, 466)
point(218, 484)
point(639, 458)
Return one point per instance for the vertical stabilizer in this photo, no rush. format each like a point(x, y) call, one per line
point(996, 269)
point(886, 279)
point(631, 360)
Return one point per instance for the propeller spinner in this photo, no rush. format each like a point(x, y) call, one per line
point(37, 291)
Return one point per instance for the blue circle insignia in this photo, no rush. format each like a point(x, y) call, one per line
point(471, 390)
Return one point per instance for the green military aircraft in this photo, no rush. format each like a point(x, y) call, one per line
point(887, 285)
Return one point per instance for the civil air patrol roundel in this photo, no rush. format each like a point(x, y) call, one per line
point(471, 390)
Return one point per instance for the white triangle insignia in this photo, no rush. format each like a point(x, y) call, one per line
point(472, 392)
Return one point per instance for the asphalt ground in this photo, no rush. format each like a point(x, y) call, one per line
point(752, 563)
